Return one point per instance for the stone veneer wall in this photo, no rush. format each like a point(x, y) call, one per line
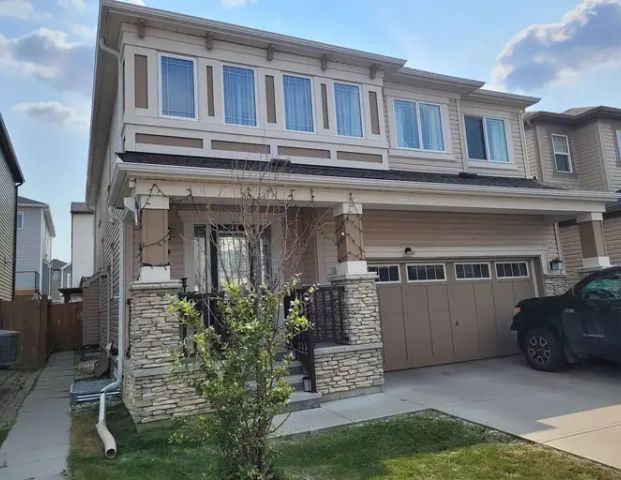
point(152, 389)
point(555, 284)
point(346, 370)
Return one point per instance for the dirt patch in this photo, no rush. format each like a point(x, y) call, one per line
point(15, 385)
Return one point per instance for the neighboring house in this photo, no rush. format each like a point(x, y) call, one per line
point(580, 149)
point(11, 178)
point(35, 231)
point(60, 278)
point(434, 226)
point(82, 242)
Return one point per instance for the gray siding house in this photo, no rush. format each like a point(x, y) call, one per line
point(35, 231)
point(580, 149)
point(60, 277)
point(11, 178)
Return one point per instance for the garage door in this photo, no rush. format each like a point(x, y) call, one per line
point(449, 311)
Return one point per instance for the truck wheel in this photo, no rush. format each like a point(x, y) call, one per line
point(543, 349)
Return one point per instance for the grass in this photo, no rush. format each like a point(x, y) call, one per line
point(418, 446)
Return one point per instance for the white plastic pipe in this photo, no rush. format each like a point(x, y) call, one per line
point(107, 439)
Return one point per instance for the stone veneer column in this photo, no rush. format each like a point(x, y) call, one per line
point(152, 389)
point(355, 368)
point(555, 284)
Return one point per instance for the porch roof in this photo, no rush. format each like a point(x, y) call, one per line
point(331, 171)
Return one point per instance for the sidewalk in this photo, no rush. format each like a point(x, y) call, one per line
point(38, 443)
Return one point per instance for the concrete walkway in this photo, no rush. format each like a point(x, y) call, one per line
point(577, 410)
point(38, 443)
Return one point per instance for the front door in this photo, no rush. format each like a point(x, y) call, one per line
point(592, 324)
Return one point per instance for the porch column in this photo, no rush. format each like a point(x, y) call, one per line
point(357, 367)
point(592, 241)
point(154, 237)
point(349, 242)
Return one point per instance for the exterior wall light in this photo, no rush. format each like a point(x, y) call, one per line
point(408, 251)
point(556, 265)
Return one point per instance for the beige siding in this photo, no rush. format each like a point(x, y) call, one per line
point(610, 149)
point(90, 311)
point(612, 232)
point(7, 230)
point(572, 251)
point(587, 156)
point(532, 149)
point(175, 245)
point(544, 132)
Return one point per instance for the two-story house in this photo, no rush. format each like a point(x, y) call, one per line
point(11, 178)
point(35, 231)
point(580, 149)
point(60, 277)
point(414, 191)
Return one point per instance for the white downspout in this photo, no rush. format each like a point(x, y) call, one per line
point(102, 429)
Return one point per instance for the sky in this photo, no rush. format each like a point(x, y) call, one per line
point(568, 52)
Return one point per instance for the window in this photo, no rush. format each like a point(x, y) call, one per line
point(426, 273)
point(20, 220)
point(562, 157)
point(607, 287)
point(239, 96)
point(55, 274)
point(486, 138)
point(419, 125)
point(298, 103)
point(619, 141)
point(177, 87)
point(512, 270)
point(386, 273)
point(472, 271)
point(348, 111)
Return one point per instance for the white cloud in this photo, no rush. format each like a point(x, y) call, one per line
point(236, 3)
point(55, 113)
point(75, 4)
point(21, 9)
point(541, 54)
point(84, 31)
point(50, 56)
point(135, 2)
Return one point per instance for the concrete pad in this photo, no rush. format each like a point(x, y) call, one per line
point(368, 407)
point(602, 445)
point(309, 421)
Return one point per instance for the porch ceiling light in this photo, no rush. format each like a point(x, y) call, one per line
point(408, 251)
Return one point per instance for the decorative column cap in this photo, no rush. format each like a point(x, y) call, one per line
point(166, 285)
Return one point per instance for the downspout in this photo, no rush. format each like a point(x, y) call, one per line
point(107, 439)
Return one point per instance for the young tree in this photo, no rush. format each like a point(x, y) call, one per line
point(235, 360)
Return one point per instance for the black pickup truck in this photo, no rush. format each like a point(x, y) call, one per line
point(585, 322)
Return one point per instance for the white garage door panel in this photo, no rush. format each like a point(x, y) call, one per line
point(432, 323)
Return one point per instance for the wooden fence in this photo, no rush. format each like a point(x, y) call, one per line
point(44, 327)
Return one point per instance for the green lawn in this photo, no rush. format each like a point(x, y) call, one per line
point(419, 446)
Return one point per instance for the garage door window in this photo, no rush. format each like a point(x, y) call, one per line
point(426, 273)
point(472, 271)
point(512, 270)
point(386, 273)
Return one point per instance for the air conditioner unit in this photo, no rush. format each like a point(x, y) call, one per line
point(9, 348)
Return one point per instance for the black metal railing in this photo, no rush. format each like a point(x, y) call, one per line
point(207, 305)
point(325, 314)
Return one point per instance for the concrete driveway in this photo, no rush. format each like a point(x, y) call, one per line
point(577, 410)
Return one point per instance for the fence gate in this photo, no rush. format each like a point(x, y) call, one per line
point(65, 326)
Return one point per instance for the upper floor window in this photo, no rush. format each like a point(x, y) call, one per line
point(619, 141)
point(177, 87)
point(419, 125)
point(239, 96)
point(20, 220)
point(486, 138)
point(562, 157)
point(348, 111)
point(298, 103)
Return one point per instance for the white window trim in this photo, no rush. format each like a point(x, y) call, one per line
point(194, 74)
point(618, 132)
point(485, 139)
point(257, 106)
point(555, 153)
point(443, 265)
point(420, 131)
point(362, 123)
point(312, 99)
point(512, 278)
point(478, 279)
point(19, 225)
point(388, 265)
